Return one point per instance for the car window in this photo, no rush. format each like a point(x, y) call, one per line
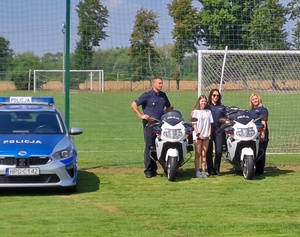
point(30, 122)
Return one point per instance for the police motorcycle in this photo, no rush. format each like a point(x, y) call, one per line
point(173, 146)
point(242, 140)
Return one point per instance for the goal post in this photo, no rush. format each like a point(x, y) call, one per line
point(43, 76)
point(273, 74)
point(251, 69)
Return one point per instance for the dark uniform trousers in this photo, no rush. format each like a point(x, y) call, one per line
point(260, 164)
point(149, 137)
point(217, 140)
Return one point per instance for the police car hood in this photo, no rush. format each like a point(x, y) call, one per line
point(32, 144)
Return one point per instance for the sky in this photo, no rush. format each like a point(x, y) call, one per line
point(36, 25)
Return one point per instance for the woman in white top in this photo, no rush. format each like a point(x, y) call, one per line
point(201, 134)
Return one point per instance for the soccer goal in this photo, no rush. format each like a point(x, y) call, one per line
point(275, 75)
point(92, 80)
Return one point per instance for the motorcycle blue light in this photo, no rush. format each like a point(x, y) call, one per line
point(189, 130)
point(259, 127)
point(157, 130)
point(230, 131)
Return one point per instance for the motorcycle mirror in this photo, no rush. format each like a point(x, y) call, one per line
point(194, 120)
point(152, 120)
point(223, 120)
point(155, 124)
point(225, 125)
point(263, 118)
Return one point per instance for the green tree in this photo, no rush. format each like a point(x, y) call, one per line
point(190, 66)
point(186, 32)
point(224, 23)
point(142, 51)
point(122, 66)
point(93, 19)
point(5, 55)
point(19, 72)
point(52, 61)
point(116, 65)
point(267, 31)
point(267, 26)
point(167, 62)
point(293, 9)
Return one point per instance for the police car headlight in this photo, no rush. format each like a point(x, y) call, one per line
point(245, 132)
point(63, 154)
point(172, 133)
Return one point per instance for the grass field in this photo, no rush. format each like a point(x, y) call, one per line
point(115, 199)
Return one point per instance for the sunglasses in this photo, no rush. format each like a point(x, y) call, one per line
point(215, 95)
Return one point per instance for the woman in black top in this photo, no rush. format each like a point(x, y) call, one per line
point(256, 110)
point(218, 110)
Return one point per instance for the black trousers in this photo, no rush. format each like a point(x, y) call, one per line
point(260, 164)
point(149, 138)
point(217, 140)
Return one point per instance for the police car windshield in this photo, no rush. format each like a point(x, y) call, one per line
point(32, 122)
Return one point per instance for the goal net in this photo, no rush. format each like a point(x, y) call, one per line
point(92, 80)
point(272, 74)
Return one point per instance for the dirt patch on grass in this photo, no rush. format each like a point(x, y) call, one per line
point(169, 85)
point(124, 170)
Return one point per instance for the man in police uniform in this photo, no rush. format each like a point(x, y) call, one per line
point(154, 104)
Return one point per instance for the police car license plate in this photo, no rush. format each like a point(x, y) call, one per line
point(22, 171)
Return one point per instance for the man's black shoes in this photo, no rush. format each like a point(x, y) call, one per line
point(150, 175)
point(218, 173)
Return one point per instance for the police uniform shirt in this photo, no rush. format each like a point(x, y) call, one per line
point(153, 103)
point(218, 111)
point(254, 113)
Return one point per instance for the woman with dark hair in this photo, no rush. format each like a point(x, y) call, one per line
point(217, 139)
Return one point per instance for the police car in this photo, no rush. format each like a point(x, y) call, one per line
point(36, 148)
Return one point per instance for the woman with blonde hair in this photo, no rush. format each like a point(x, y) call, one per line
point(201, 134)
point(256, 110)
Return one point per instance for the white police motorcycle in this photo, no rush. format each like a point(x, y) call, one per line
point(172, 146)
point(242, 140)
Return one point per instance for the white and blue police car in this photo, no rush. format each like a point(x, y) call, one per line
point(36, 147)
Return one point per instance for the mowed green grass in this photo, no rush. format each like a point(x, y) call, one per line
point(115, 199)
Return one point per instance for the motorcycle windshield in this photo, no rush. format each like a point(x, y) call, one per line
point(244, 119)
point(173, 117)
point(239, 115)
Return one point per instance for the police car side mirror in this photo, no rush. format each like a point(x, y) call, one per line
point(75, 131)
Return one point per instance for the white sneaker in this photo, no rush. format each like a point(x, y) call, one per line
point(198, 174)
point(203, 174)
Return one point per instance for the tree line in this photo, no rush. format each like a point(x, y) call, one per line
point(238, 24)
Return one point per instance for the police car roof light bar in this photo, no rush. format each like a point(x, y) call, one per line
point(26, 100)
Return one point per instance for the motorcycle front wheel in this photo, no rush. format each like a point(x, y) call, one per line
point(248, 167)
point(171, 169)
